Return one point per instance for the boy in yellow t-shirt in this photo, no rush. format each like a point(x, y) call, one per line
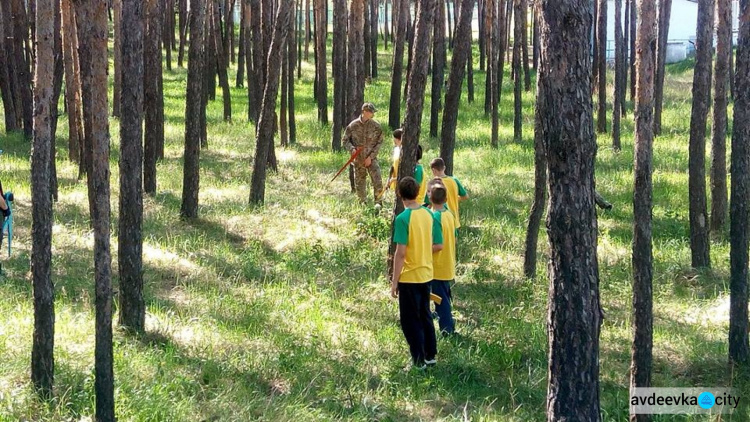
point(456, 191)
point(444, 261)
point(417, 235)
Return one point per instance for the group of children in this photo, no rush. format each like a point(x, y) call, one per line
point(425, 257)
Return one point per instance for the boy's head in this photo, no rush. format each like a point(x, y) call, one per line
point(397, 136)
point(438, 166)
point(439, 194)
point(419, 152)
point(408, 188)
point(432, 184)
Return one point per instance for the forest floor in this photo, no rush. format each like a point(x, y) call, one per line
point(282, 312)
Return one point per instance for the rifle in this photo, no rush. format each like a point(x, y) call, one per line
point(351, 160)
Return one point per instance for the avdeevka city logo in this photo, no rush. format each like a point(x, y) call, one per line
point(706, 400)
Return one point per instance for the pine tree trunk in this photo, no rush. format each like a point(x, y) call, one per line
point(617, 109)
point(482, 27)
point(470, 75)
point(455, 80)
point(633, 26)
point(292, 60)
point(518, 16)
point(91, 16)
point(642, 261)
point(72, 82)
point(320, 61)
point(540, 196)
point(394, 110)
point(255, 78)
point(535, 38)
point(193, 106)
point(339, 72)
point(10, 66)
point(739, 349)
point(240, 82)
point(450, 10)
point(487, 34)
point(22, 64)
point(130, 239)
point(117, 53)
point(210, 68)
point(525, 45)
point(168, 12)
point(265, 126)
point(183, 22)
point(601, 35)
point(386, 24)
point(9, 106)
point(374, 38)
point(42, 351)
point(308, 35)
point(719, 126)
point(57, 81)
point(595, 44)
point(283, 112)
point(665, 13)
point(153, 103)
point(438, 68)
point(699, 230)
point(355, 79)
point(366, 34)
point(492, 8)
point(221, 65)
point(574, 311)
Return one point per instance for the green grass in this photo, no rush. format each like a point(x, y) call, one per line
point(282, 312)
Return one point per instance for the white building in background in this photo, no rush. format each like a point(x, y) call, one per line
point(682, 28)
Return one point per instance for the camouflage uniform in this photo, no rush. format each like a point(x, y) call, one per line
point(368, 135)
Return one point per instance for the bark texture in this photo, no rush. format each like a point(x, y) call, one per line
point(91, 16)
point(739, 349)
point(193, 106)
point(394, 110)
point(642, 321)
point(42, 350)
point(574, 312)
point(665, 13)
point(699, 230)
point(130, 236)
point(719, 126)
point(153, 94)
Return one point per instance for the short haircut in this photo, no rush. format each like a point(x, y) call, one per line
point(408, 188)
point(398, 133)
point(434, 182)
point(438, 164)
point(439, 194)
point(419, 152)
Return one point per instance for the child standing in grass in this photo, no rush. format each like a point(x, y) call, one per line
point(454, 188)
point(417, 235)
point(443, 261)
point(418, 169)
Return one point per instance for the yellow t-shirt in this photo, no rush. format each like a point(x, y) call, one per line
point(444, 261)
point(418, 229)
point(454, 189)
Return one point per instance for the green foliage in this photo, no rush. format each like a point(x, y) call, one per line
point(282, 312)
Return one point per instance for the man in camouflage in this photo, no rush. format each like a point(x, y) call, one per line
point(365, 132)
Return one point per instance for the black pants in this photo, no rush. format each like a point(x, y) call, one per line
point(416, 320)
